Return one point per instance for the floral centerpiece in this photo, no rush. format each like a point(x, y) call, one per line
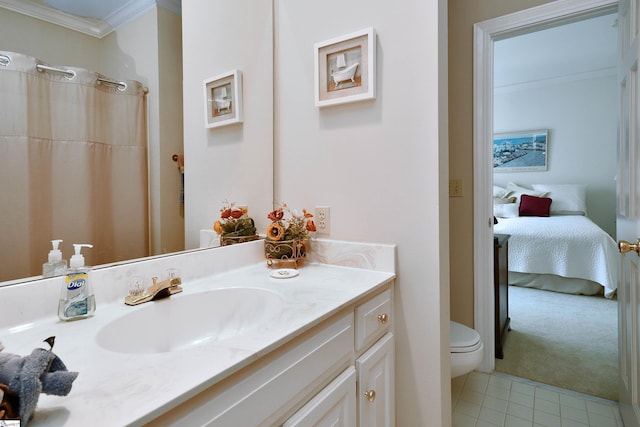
point(234, 225)
point(288, 233)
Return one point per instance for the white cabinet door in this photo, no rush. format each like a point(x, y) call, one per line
point(375, 368)
point(334, 406)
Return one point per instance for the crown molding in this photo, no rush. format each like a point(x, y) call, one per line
point(92, 27)
point(558, 80)
point(128, 12)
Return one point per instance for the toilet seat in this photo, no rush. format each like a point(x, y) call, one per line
point(464, 339)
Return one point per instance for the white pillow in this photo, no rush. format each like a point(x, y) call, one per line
point(503, 200)
point(517, 191)
point(567, 199)
point(506, 210)
point(500, 192)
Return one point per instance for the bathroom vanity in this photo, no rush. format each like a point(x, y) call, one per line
point(320, 377)
point(287, 351)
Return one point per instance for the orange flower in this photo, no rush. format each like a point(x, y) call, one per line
point(236, 213)
point(311, 226)
point(217, 227)
point(225, 213)
point(276, 215)
point(275, 231)
point(307, 214)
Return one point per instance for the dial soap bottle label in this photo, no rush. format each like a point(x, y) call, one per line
point(77, 303)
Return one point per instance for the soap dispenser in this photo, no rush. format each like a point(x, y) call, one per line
point(56, 266)
point(76, 297)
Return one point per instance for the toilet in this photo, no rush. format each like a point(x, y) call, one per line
point(466, 349)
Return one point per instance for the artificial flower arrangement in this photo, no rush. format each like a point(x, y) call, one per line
point(235, 225)
point(287, 233)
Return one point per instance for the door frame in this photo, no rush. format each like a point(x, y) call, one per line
point(485, 33)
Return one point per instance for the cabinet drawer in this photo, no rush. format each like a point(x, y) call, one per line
point(373, 319)
point(335, 405)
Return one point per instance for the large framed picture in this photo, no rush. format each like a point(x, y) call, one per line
point(223, 99)
point(524, 151)
point(345, 68)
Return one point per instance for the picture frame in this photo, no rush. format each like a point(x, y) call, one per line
point(345, 68)
point(524, 151)
point(223, 99)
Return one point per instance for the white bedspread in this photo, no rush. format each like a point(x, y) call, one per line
point(565, 245)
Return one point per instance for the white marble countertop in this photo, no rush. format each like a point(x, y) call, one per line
point(131, 389)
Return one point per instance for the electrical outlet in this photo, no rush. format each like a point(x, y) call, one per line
point(455, 188)
point(323, 220)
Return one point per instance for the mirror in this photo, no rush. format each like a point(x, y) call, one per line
point(142, 50)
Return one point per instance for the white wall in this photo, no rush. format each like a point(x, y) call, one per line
point(581, 119)
point(233, 162)
point(380, 165)
point(376, 164)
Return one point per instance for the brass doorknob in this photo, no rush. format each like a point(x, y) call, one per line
point(383, 318)
point(625, 246)
point(370, 395)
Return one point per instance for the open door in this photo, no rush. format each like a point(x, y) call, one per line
point(628, 212)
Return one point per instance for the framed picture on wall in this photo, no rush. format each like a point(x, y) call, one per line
point(524, 151)
point(223, 99)
point(345, 68)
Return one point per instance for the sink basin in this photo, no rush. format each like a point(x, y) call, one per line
point(181, 322)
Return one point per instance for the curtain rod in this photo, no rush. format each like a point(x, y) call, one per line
point(6, 60)
point(71, 74)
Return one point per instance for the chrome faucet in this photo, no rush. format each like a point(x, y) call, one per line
point(157, 290)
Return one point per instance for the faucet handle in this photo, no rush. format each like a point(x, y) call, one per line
point(172, 273)
point(137, 286)
point(173, 276)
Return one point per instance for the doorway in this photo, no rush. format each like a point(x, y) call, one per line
point(485, 34)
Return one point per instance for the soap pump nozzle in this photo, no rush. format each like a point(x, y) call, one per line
point(55, 254)
point(77, 260)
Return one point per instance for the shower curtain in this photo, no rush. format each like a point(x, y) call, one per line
point(73, 166)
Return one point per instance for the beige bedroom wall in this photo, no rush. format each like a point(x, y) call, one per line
point(462, 15)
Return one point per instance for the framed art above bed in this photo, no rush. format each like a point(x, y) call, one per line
point(524, 151)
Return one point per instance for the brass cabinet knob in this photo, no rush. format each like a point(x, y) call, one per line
point(625, 246)
point(383, 318)
point(370, 395)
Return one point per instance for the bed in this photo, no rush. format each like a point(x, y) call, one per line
point(550, 243)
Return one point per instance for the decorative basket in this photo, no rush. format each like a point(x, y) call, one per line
point(231, 240)
point(281, 253)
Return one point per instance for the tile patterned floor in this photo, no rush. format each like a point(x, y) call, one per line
point(489, 400)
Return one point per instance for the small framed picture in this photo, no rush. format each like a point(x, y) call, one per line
point(223, 99)
point(524, 151)
point(345, 68)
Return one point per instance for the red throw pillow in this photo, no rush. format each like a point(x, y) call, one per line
point(534, 206)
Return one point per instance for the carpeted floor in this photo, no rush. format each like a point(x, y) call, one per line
point(568, 341)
